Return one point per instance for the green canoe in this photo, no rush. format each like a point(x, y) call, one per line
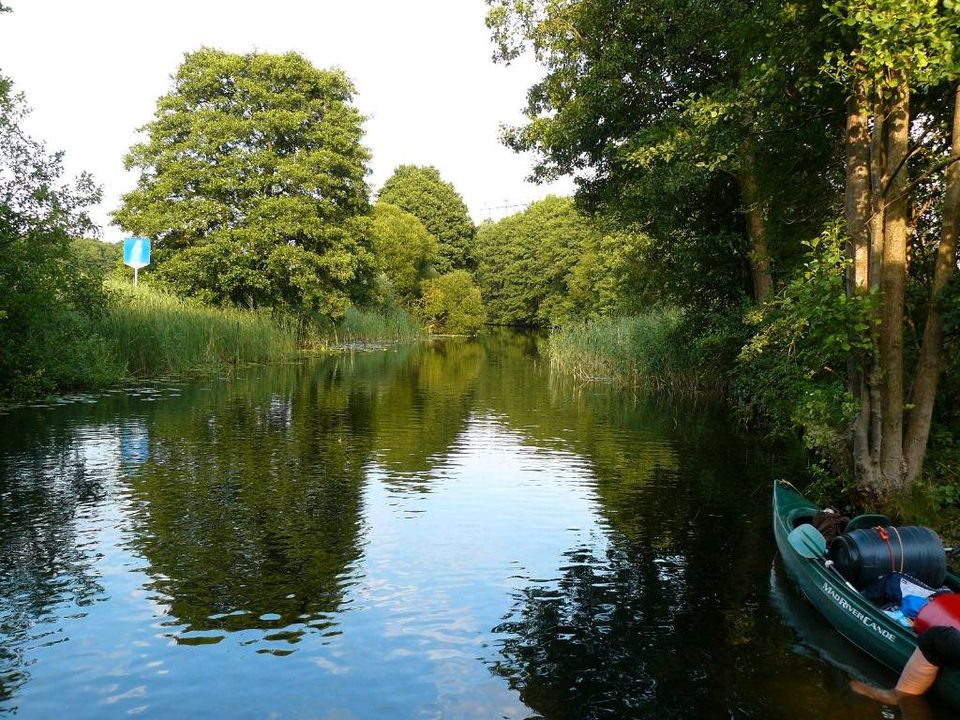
point(852, 615)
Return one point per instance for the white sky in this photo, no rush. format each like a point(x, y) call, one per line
point(92, 71)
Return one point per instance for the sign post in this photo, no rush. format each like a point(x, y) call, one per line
point(136, 254)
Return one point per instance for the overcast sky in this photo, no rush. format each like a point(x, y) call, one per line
point(92, 71)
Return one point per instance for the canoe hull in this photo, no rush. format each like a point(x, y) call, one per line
point(852, 615)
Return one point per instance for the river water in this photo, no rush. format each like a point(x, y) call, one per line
point(445, 530)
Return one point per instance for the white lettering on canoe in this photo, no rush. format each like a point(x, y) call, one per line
point(842, 603)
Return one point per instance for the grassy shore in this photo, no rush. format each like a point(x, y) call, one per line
point(157, 333)
point(366, 327)
point(646, 351)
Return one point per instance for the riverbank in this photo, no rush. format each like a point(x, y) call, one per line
point(649, 352)
point(365, 328)
point(144, 332)
point(153, 333)
point(658, 352)
point(157, 333)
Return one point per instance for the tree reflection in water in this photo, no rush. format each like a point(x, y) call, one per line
point(250, 505)
point(55, 475)
point(665, 621)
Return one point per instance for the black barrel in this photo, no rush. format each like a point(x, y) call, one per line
point(863, 556)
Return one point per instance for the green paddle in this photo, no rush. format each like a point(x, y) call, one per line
point(809, 543)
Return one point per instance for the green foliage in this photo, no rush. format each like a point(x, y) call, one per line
point(405, 251)
point(653, 104)
point(689, 118)
point(97, 258)
point(893, 37)
point(549, 264)
point(607, 276)
point(48, 302)
point(252, 184)
point(651, 351)
point(791, 372)
point(154, 333)
point(452, 304)
point(942, 466)
point(421, 192)
point(369, 326)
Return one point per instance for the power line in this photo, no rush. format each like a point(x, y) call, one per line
point(488, 210)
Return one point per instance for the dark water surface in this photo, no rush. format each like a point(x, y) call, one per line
point(435, 531)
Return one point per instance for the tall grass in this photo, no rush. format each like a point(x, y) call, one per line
point(157, 333)
point(367, 327)
point(649, 351)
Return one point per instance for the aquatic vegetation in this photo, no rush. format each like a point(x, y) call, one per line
point(157, 333)
point(360, 326)
point(649, 351)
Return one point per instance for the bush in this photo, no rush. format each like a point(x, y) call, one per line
point(48, 302)
point(452, 304)
point(405, 251)
point(791, 373)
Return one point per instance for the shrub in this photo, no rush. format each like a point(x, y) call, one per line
point(48, 302)
point(790, 374)
point(452, 304)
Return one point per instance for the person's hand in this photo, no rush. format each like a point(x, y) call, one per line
point(888, 697)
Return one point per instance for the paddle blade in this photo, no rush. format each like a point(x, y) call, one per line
point(807, 541)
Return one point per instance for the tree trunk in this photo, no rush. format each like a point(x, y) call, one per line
point(893, 276)
point(858, 192)
point(879, 179)
point(858, 207)
point(756, 225)
point(878, 189)
point(928, 366)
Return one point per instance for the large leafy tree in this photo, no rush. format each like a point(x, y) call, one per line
point(654, 103)
point(900, 66)
point(252, 183)
point(421, 192)
point(860, 337)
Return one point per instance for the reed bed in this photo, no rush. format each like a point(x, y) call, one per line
point(157, 333)
point(368, 327)
point(650, 352)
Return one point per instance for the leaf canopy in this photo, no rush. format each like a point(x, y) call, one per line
point(421, 192)
point(404, 249)
point(252, 183)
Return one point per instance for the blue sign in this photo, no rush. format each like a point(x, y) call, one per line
point(136, 252)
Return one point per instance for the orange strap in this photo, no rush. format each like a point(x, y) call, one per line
point(886, 538)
